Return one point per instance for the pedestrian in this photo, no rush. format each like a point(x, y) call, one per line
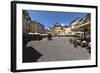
point(84, 43)
point(49, 37)
point(75, 44)
point(70, 40)
point(78, 42)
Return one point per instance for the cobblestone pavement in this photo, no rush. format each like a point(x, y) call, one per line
point(58, 49)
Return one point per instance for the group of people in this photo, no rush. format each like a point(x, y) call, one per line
point(82, 43)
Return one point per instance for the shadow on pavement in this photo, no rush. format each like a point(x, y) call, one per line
point(30, 54)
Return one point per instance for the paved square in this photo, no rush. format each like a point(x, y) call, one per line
point(58, 49)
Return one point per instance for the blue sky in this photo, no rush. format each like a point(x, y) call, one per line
point(49, 18)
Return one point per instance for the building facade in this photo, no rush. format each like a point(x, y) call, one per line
point(57, 29)
point(68, 30)
point(84, 26)
point(31, 26)
point(75, 28)
point(26, 22)
point(73, 24)
point(37, 27)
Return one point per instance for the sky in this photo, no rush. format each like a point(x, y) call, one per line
point(49, 18)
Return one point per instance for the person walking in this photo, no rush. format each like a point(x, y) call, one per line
point(70, 41)
point(75, 44)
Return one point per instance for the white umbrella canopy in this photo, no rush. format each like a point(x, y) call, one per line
point(43, 34)
point(34, 33)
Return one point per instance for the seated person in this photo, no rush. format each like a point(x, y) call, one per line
point(84, 43)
